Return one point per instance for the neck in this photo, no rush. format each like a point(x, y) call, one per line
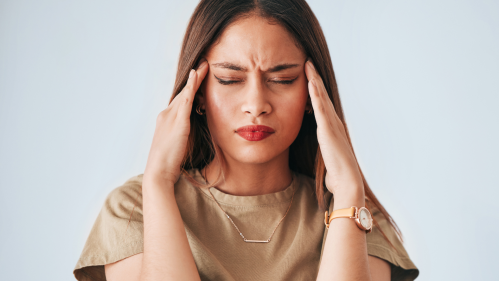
point(249, 179)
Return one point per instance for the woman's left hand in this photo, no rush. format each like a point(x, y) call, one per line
point(343, 177)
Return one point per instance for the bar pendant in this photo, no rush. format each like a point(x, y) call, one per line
point(256, 241)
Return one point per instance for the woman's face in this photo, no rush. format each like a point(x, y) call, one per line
point(256, 77)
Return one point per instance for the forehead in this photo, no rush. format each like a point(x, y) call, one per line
point(255, 41)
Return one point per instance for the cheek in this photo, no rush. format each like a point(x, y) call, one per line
point(293, 101)
point(220, 109)
point(290, 114)
point(289, 109)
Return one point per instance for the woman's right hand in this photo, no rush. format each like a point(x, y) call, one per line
point(172, 131)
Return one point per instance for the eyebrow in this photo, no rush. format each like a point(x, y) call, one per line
point(236, 67)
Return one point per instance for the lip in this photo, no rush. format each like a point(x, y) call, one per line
point(255, 132)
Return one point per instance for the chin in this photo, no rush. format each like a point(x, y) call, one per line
point(255, 155)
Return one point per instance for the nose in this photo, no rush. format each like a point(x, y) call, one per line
point(256, 100)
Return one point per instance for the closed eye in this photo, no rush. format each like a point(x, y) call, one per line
point(229, 82)
point(287, 82)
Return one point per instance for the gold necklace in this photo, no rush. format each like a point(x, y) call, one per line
point(240, 233)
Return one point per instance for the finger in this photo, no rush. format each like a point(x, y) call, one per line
point(195, 79)
point(202, 70)
point(186, 97)
point(333, 118)
point(331, 112)
point(191, 89)
point(324, 94)
point(319, 110)
point(314, 93)
point(321, 92)
point(312, 73)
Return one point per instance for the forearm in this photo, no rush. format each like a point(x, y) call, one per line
point(345, 250)
point(167, 255)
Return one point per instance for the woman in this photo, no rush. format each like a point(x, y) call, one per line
point(243, 164)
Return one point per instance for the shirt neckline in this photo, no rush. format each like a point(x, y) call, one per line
point(254, 200)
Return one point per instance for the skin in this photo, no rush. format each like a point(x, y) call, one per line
point(257, 96)
point(258, 167)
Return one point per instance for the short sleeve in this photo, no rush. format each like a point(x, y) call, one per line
point(403, 269)
point(116, 234)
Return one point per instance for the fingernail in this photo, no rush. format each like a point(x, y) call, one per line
point(201, 62)
point(191, 73)
point(313, 83)
point(311, 65)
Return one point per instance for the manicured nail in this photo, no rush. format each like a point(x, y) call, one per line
point(191, 73)
point(311, 65)
point(201, 63)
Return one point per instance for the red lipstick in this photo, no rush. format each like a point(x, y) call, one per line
point(254, 132)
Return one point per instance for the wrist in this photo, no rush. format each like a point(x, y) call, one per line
point(157, 182)
point(348, 199)
point(160, 176)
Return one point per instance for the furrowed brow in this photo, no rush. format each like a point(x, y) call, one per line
point(229, 65)
point(280, 67)
point(236, 67)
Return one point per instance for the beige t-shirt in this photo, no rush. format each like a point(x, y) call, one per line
point(219, 251)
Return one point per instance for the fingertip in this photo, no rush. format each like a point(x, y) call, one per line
point(202, 70)
point(203, 64)
point(309, 70)
point(310, 64)
point(191, 73)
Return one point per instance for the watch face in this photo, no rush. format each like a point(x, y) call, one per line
point(365, 218)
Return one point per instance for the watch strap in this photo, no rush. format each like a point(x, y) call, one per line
point(340, 213)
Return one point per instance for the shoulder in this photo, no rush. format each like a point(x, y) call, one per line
point(117, 232)
point(122, 199)
point(128, 196)
point(130, 189)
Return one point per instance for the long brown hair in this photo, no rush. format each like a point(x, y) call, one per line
point(208, 21)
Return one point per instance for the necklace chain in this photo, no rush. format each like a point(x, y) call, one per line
point(240, 233)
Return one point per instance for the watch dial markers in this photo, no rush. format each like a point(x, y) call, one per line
point(365, 219)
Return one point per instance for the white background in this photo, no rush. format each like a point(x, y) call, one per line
point(81, 83)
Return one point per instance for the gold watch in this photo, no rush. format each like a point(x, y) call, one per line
point(362, 217)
